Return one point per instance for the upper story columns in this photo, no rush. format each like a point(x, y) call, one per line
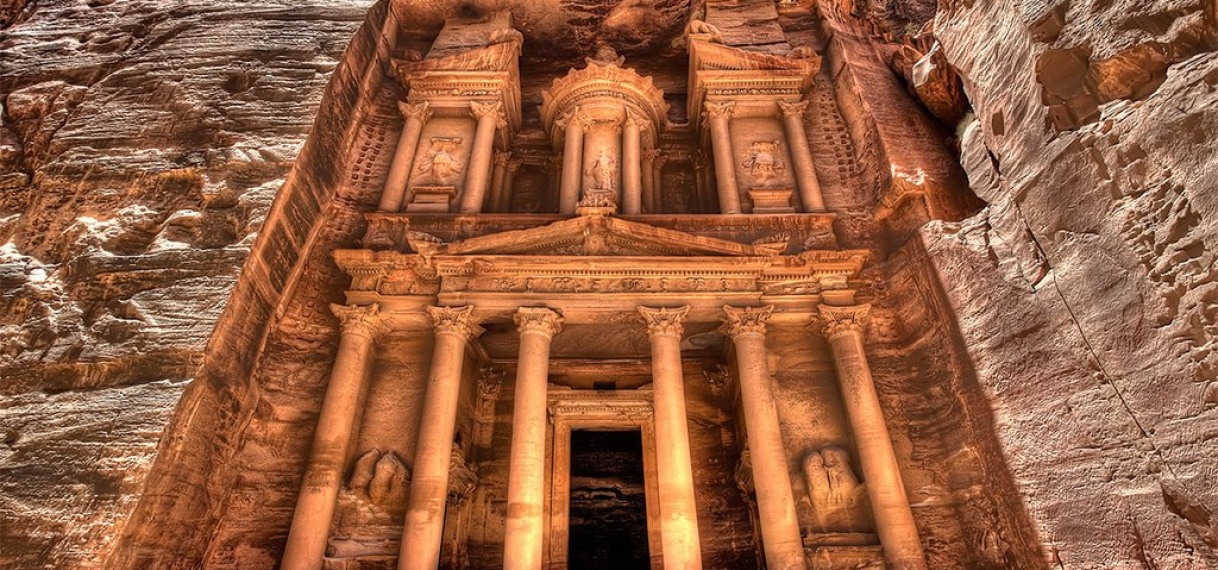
point(462, 103)
point(603, 117)
point(750, 108)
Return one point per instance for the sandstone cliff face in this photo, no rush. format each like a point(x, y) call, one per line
point(1087, 291)
point(141, 145)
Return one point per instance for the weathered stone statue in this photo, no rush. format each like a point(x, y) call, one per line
point(839, 500)
point(602, 171)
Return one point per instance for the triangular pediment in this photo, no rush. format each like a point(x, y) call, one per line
point(604, 236)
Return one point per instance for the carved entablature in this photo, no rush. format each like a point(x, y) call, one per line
point(802, 232)
point(755, 81)
point(598, 255)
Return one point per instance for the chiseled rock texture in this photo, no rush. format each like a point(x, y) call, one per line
point(141, 145)
point(1087, 290)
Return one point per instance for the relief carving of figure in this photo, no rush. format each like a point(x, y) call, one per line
point(839, 500)
point(602, 171)
point(379, 478)
point(763, 163)
point(441, 163)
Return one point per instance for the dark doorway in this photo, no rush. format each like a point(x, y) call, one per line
point(608, 526)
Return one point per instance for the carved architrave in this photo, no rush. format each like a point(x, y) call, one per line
point(664, 320)
point(740, 321)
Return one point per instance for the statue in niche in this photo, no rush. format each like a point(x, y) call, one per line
point(441, 164)
point(602, 171)
point(379, 478)
point(839, 500)
point(528, 193)
point(763, 163)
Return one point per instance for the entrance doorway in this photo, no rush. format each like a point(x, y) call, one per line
point(608, 508)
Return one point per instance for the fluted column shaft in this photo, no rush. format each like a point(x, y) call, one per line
point(718, 115)
point(490, 118)
point(524, 532)
point(572, 161)
point(678, 508)
point(632, 162)
point(423, 531)
point(403, 157)
point(801, 155)
point(894, 521)
point(331, 441)
point(782, 542)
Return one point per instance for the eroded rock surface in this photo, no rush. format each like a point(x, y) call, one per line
point(141, 145)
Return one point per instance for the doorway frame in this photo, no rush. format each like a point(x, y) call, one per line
point(615, 410)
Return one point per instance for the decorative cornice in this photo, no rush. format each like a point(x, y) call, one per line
point(835, 322)
point(741, 321)
point(454, 320)
point(538, 320)
point(793, 108)
point(366, 321)
point(664, 321)
point(420, 111)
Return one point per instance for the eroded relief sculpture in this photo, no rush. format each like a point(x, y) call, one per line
point(839, 500)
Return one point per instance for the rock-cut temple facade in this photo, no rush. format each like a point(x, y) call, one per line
point(601, 318)
point(608, 284)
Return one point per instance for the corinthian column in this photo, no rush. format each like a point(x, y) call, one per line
point(632, 163)
point(403, 157)
point(678, 509)
point(797, 141)
point(498, 179)
point(894, 521)
point(649, 180)
point(657, 184)
point(572, 160)
point(718, 115)
point(490, 118)
point(331, 441)
point(782, 543)
point(421, 535)
point(524, 532)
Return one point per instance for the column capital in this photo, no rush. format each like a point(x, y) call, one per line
point(664, 320)
point(493, 109)
point(421, 111)
point(367, 321)
point(719, 110)
point(636, 120)
point(651, 154)
point(538, 320)
point(514, 164)
point(502, 158)
point(834, 322)
point(454, 320)
point(742, 321)
point(574, 118)
point(793, 108)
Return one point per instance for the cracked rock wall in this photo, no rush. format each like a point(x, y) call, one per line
point(1087, 291)
point(141, 145)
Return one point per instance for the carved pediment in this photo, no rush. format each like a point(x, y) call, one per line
point(599, 236)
